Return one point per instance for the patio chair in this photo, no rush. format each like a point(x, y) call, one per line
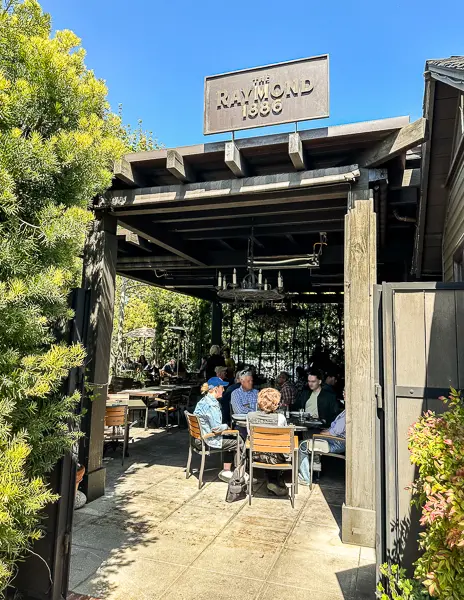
point(117, 429)
point(195, 433)
point(324, 437)
point(276, 440)
point(171, 406)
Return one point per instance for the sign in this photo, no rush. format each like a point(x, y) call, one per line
point(282, 93)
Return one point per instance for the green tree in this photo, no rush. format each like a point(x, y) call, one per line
point(58, 142)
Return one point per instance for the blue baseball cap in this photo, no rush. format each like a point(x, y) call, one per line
point(215, 381)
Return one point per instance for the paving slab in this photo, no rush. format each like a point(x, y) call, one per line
point(119, 580)
point(196, 584)
point(273, 591)
point(310, 536)
point(315, 571)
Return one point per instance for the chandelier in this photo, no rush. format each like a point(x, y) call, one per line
point(254, 287)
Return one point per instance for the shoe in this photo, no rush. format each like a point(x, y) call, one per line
point(302, 481)
point(317, 466)
point(247, 479)
point(277, 490)
point(225, 476)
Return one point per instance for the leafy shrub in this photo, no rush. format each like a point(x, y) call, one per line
point(436, 444)
point(400, 587)
point(58, 142)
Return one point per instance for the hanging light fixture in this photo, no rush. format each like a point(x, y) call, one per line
point(251, 288)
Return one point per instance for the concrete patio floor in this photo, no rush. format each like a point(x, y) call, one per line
point(155, 535)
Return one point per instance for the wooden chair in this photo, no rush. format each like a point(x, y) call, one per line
point(275, 440)
point(195, 433)
point(116, 422)
point(324, 436)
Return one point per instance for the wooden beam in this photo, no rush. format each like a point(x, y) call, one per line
point(395, 144)
point(234, 160)
point(124, 171)
point(295, 151)
point(311, 136)
point(411, 179)
point(278, 230)
point(220, 190)
point(178, 167)
point(166, 240)
point(135, 240)
point(225, 224)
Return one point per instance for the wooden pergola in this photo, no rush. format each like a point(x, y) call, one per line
point(175, 217)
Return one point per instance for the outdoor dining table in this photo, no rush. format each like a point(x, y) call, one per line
point(155, 392)
point(132, 404)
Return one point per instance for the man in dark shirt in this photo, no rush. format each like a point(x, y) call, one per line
point(226, 398)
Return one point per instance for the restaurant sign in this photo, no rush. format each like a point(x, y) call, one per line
point(282, 93)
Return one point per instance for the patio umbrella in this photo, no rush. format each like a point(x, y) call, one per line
point(142, 333)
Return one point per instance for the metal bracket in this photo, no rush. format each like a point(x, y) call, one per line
point(379, 395)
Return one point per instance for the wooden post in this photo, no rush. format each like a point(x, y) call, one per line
point(216, 324)
point(358, 524)
point(99, 276)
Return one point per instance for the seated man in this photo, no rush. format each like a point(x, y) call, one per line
point(244, 399)
point(330, 382)
point(287, 390)
point(226, 397)
point(209, 413)
point(321, 404)
point(268, 402)
point(338, 429)
point(169, 369)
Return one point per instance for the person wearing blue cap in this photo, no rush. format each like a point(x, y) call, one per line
point(208, 410)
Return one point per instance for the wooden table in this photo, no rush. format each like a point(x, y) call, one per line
point(131, 405)
point(154, 392)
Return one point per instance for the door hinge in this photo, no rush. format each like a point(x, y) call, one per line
point(378, 395)
point(66, 543)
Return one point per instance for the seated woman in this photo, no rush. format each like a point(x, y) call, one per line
point(208, 410)
point(268, 402)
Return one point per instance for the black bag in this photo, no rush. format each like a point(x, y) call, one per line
point(237, 486)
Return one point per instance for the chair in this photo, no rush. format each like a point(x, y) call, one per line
point(195, 433)
point(115, 419)
point(171, 405)
point(324, 437)
point(276, 440)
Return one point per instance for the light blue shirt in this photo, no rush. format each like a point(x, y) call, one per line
point(244, 401)
point(208, 411)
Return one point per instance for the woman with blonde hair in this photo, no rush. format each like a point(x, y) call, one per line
point(214, 360)
point(268, 403)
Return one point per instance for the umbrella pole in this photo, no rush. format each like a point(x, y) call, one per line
point(178, 354)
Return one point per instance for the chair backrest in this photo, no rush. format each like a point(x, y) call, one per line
point(193, 423)
point(115, 416)
point(270, 438)
point(117, 397)
point(175, 396)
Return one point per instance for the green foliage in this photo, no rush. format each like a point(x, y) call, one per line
point(58, 143)
point(436, 444)
point(400, 587)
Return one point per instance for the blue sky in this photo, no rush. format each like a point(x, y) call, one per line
point(154, 54)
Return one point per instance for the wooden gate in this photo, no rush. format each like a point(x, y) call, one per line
point(419, 349)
